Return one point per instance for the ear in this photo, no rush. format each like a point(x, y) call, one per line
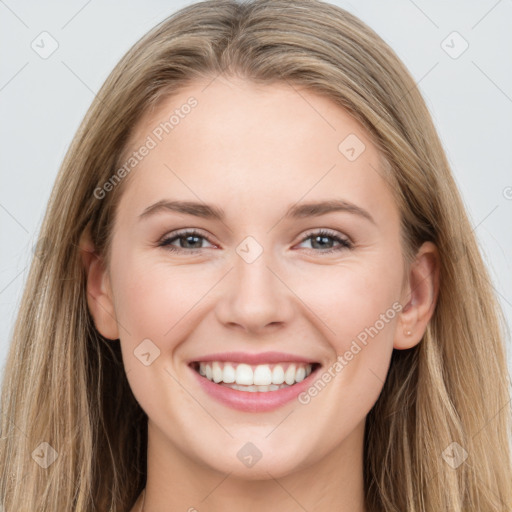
point(419, 296)
point(99, 292)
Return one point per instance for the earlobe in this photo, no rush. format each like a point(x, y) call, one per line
point(98, 288)
point(419, 298)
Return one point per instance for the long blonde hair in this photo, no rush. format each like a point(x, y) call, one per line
point(64, 384)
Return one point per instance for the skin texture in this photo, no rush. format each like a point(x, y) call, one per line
point(254, 151)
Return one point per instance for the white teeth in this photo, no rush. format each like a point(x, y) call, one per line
point(261, 377)
point(289, 375)
point(300, 374)
point(277, 374)
point(216, 372)
point(251, 389)
point(228, 375)
point(244, 374)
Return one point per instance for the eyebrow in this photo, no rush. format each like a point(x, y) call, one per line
point(206, 211)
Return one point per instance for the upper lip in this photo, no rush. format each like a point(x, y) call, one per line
point(254, 358)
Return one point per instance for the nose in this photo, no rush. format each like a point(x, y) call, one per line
point(255, 298)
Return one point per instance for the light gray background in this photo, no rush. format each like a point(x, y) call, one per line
point(42, 102)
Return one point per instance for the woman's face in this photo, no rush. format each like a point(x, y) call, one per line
point(295, 259)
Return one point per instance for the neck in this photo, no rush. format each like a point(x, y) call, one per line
point(176, 482)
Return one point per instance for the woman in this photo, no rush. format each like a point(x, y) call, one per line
point(364, 372)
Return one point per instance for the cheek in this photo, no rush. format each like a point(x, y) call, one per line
point(154, 303)
point(358, 307)
point(352, 298)
point(153, 299)
point(159, 301)
point(358, 310)
point(143, 302)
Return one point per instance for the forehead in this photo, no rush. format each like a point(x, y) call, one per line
point(233, 141)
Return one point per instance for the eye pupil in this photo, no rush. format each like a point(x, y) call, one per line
point(189, 237)
point(323, 239)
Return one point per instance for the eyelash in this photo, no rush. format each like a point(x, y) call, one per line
point(344, 243)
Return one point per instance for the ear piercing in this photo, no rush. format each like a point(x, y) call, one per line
point(407, 333)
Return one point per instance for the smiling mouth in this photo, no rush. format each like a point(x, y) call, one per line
point(252, 378)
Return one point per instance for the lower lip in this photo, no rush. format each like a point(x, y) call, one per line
point(257, 401)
